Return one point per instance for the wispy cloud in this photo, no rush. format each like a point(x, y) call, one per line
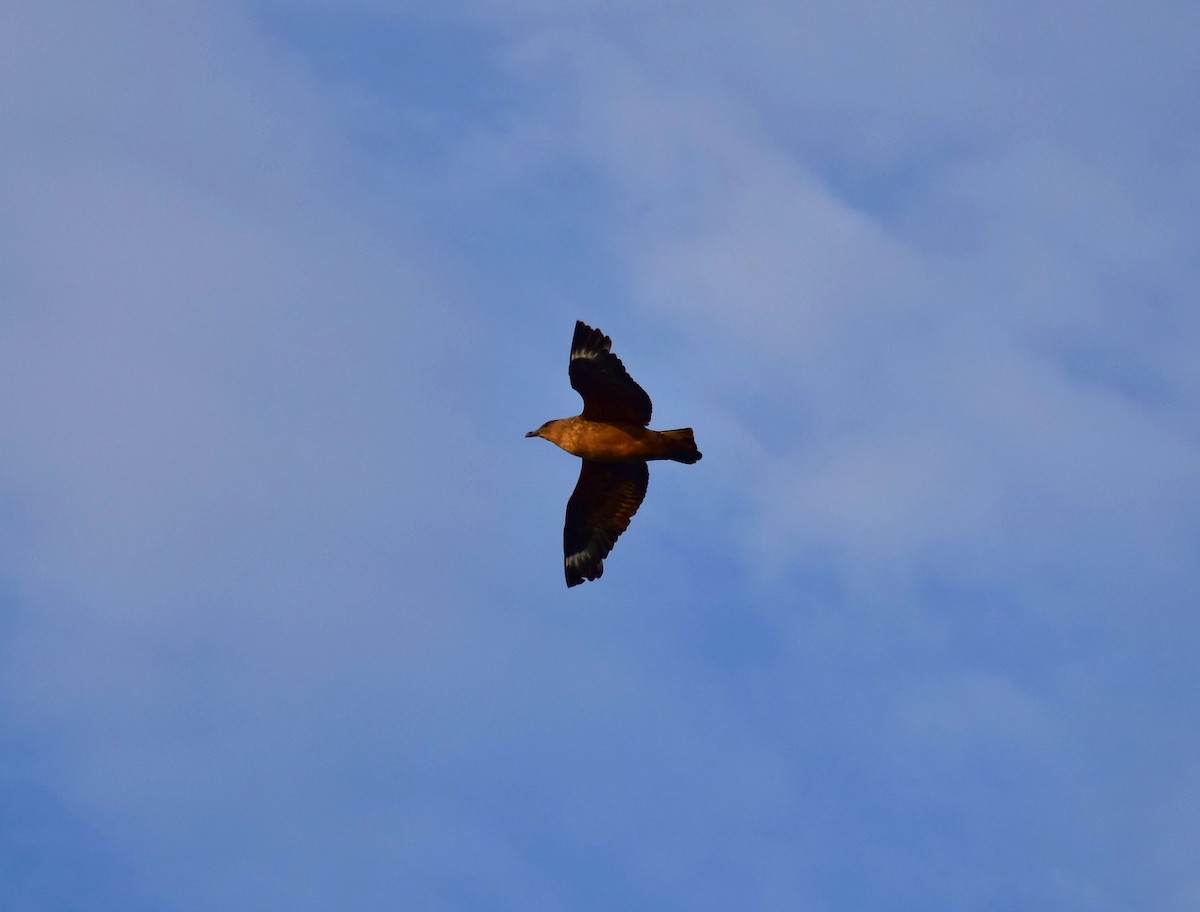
point(283, 619)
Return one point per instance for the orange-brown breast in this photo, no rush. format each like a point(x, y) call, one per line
point(602, 441)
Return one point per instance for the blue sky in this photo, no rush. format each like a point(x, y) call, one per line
point(282, 615)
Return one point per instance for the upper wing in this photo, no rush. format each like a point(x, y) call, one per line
point(609, 393)
point(605, 499)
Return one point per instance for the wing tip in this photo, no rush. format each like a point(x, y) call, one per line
point(588, 342)
point(576, 576)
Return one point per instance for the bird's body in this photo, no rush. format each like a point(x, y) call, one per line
point(605, 441)
point(612, 438)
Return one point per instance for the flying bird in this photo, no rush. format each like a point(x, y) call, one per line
point(612, 438)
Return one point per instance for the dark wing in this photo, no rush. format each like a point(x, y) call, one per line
point(605, 499)
point(609, 393)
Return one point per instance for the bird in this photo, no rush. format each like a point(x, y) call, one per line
point(612, 437)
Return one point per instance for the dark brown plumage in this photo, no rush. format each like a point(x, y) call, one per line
point(612, 438)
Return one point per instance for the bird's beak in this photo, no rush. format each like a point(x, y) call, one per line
point(532, 434)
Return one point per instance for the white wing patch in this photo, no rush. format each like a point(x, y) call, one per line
point(587, 555)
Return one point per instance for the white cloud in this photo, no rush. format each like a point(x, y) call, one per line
point(910, 391)
point(279, 553)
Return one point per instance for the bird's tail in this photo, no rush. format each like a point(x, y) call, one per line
point(683, 445)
